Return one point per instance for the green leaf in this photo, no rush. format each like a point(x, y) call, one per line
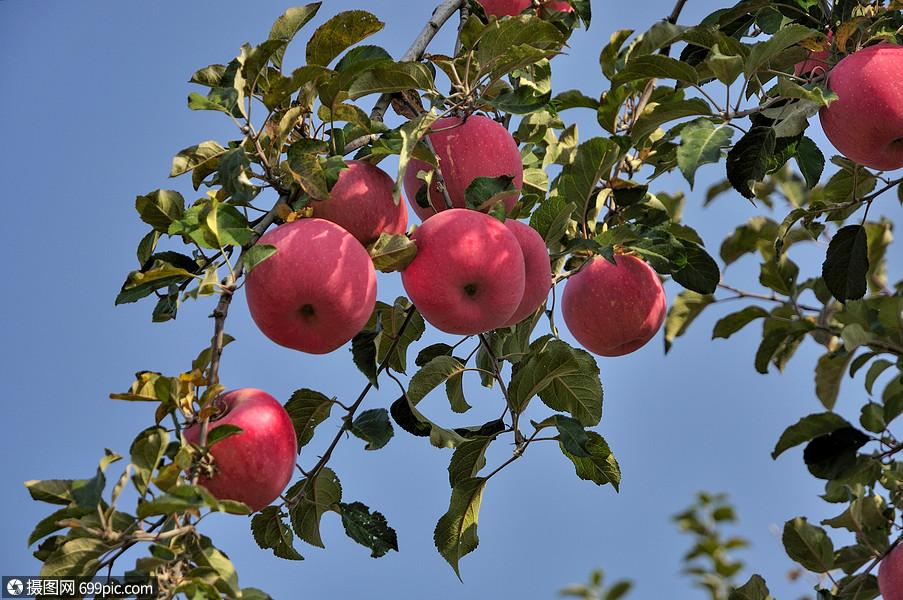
point(754, 589)
point(288, 24)
point(655, 66)
point(321, 495)
point(221, 432)
point(146, 451)
point(829, 373)
point(392, 252)
point(158, 275)
point(608, 58)
point(307, 409)
point(456, 532)
point(833, 455)
point(783, 39)
point(748, 159)
point(808, 545)
point(734, 322)
point(391, 319)
point(701, 143)
point(592, 163)
point(684, 310)
point(657, 115)
point(468, 459)
point(160, 208)
point(846, 264)
point(367, 528)
point(373, 426)
point(571, 435)
point(726, 68)
point(431, 352)
point(338, 33)
point(271, 532)
point(509, 44)
point(808, 428)
point(600, 466)
point(875, 370)
point(77, 557)
point(700, 273)
point(411, 420)
point(256, 254)
point(435, 372)
point(391, 78)
point(551, 218)
point(363, 353)
point(484, 192)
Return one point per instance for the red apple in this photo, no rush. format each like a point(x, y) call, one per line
point(473, 147)
point(537, 270)
point(890, 575)
point(817, 63)
point(361, 202)
point(866, 123)
point(468, 275)
point(504, 8)
point(559, 5)
point(613, 310)
point(317, 291)
point(255, 465)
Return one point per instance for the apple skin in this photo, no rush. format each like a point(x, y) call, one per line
point(537, 270)
point(318, 290)
point(890, 575)
point(361, 203)
point(466, 149)
point(559, 5)
point(613, 310)
point(253, 466)
point(866, 123)
point(468, 275)
point(504, 8)
point(817, 63)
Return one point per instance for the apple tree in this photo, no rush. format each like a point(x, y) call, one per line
point(518, 214)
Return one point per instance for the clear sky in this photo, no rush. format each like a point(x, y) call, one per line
point(92, 110)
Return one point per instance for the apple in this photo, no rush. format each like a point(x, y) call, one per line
point(468, 275)
point(613, 310)
point(475, 146)
point(537, 270)
point(890, 575)
point(559, 5)
point(318, 290)
point(255, 465)
point(817, 63)
point(866, 123)
point(504, 8)
point(361, 202)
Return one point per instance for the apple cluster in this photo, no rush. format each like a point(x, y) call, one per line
point(472, 273)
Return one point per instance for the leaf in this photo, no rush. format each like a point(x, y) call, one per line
point(829, 373)
point(655, 66)
point(363, 353)
point(834, 454)
point(700, 273)
point(392, 252)
point(221, 432)
point(160, 208)
point(431, 375)
point(784, 38)
point(391, 78)
point(373, 427)
point(571, 435)
point(288, 24)
point(158, 275)
point(468, 459)
point(875, 370)
point(77, 557)
point(367, 528)
point(701, 143)
point(146, 451)
point(509, 44)
point(684, 310)
point(391, 319)
point(307, 409)
point(808, 545)
point(484, 192)
point(600, 466)
point(256, 254)
point(754, 589)
point(846, 264)
point(808, 428)
point(321, 495)
point(338, 33)
point(271, 532)
point(455, 535)
point(411, 420)
point(550, 220)
point(657, 115)
point(592, 163)
point(431, 352)
point(748, 159)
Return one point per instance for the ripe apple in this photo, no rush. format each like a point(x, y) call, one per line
point(817, 63)
point(468, 275)
point(537, 270)
point(890, 575)
point(317, 291)
point(559, 5)
point(361, 202)
point(866, 123)
point(504, 8)
point(255, 465)
point(613, 310)
point(466, 149)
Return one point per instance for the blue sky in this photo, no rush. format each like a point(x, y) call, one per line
point(93, 110)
